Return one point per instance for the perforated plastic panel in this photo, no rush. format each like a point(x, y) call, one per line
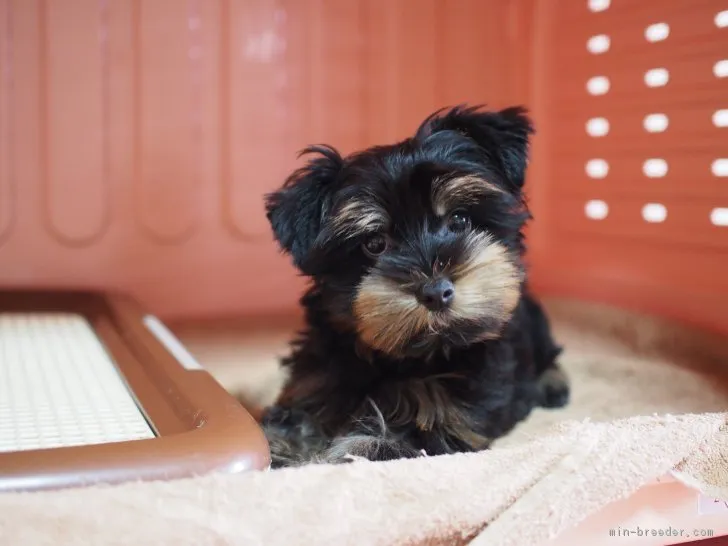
point(632, 165)
point(58, 386)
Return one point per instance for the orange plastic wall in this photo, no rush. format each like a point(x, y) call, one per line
point(137, 137)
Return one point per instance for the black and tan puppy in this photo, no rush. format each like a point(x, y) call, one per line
point(420, 334)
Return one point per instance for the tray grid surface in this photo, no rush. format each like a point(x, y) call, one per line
point(59, 386)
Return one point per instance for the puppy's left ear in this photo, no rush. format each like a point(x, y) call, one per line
point(504, 135)
point(298, 210)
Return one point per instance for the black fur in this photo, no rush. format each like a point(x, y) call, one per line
point(454, 387)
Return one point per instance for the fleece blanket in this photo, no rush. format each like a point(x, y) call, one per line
point(514, 495)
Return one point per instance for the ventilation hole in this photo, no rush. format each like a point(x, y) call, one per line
point(719, 217)
point(720, 118)
point(721, 19)
point(596, 209)
point(655, 123)
point(598, 44)
point(597, 168)
point(654, 213)
point(598, 85)
point(720, 69)
point(654, 168)
point(657, 32)
point(720, 167)
point(657, 77)
point(597, 127)
point(599, 5)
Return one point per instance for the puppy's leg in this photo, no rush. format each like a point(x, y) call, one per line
point(370, 439)
point(293, 436)
point(373, 448)
point(554, 388)
point(553, 384)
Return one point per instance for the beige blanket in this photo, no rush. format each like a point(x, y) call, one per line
point(520, 495)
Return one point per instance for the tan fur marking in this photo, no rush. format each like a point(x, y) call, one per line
point(487, 283)
point(358, 217)
point(387, 317)
point(461, 191)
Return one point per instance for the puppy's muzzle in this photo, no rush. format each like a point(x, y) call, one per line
point(436, 294)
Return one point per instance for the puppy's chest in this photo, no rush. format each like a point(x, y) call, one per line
point(434, 407)
point(431, 402)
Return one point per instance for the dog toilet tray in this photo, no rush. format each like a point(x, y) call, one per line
point(94, 390)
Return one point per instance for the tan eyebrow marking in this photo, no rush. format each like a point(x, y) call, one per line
point(461, 190)
point(358, 217)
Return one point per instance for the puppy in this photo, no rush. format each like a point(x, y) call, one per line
point(421, 336)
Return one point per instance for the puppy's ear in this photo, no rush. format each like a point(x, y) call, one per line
point(297, 211)
point(504, 135)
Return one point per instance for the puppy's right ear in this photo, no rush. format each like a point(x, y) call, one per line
point(297, 211)
point(504, 135)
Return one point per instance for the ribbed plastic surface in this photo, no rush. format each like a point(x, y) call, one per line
point(137, 136)
point(59, 387)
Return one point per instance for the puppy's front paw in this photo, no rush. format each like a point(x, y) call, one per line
point(553, 386)
point(371, 448)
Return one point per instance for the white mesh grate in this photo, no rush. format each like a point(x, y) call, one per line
point(59, 387)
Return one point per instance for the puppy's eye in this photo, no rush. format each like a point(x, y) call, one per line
point(375, 245)
point(458, 221)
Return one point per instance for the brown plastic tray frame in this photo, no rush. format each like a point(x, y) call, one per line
point(200, 427)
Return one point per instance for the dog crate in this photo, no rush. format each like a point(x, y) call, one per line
point(137, 138)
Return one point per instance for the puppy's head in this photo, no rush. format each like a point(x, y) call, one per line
point(415, 246)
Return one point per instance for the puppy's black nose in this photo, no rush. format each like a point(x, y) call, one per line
point(437, 295)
